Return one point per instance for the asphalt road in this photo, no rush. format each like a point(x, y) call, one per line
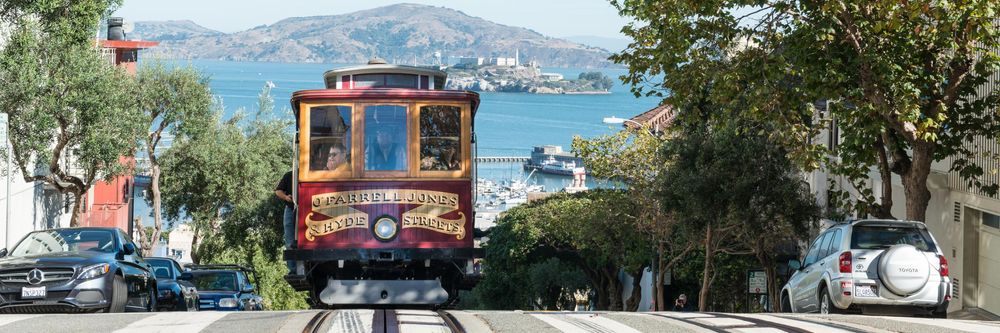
point(414, 321)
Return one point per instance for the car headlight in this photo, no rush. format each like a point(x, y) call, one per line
point(385, 228)
point(228, 303)
point(94, 271)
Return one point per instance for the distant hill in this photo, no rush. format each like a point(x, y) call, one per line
point(607, 43)
point(402, 33)
point(170, 30)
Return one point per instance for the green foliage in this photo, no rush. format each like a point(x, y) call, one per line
point(72, 21)
point(597, 80)
point(591, 231)
point(252, 251)
point(736, 193)
point(904, 76)
point(223, 180)
point(175, 101)
point(63, 99)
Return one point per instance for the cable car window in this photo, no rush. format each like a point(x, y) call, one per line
point(362, 81)
point(385, 138)
point(330, 138)
point(440, 133)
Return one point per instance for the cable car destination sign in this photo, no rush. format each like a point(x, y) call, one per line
point(339, 207)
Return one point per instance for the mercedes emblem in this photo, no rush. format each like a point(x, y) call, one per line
point(36, 276)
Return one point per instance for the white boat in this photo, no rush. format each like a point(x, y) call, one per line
point(551, 165)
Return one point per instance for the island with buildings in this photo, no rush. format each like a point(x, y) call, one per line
point(504, 74)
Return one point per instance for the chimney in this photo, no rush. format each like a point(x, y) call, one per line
point(115, 31)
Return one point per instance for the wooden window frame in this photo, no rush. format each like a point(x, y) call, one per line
point(305, 144)
point(358, 143)
point(463, 137)
point(382, 174)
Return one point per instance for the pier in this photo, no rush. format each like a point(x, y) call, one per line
point(502, 159)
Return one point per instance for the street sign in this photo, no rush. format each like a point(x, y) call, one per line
point(757, 282)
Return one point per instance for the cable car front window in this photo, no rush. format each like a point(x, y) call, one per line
point(440, 133)
point(385, 138)
point(330, 138)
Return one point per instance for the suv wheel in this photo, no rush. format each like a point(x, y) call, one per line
point(825, 304)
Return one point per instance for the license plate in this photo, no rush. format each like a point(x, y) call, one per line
point(33, 292)
point(866, 291)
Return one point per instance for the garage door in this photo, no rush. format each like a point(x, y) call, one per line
point(989, 263)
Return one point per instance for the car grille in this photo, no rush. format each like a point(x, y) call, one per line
point(206, 304)
point(20, 276)
point(48, 308)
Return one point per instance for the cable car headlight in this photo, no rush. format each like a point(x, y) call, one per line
point(385, 228)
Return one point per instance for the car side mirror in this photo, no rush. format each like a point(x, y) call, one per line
point(248, 288)
point(128, 249)
point(186, 276)
point(3, 252)
point(794, 264)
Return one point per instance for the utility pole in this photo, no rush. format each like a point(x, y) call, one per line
point(6, 144)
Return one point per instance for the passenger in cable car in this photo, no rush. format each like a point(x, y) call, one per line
point(337, 159)
point(386, 153)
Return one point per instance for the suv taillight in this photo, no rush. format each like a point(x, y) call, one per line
point(845, 262)
point(944, 266)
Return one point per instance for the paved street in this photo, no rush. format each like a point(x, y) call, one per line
point(412, 321)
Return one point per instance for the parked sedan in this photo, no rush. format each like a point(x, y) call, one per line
point(75, 270)
point(173, 294)
point(224, 288)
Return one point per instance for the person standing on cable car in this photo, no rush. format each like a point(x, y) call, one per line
point(284, 192)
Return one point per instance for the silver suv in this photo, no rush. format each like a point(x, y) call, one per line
point(871, 266)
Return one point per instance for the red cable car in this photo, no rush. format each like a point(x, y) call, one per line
point(383, 183)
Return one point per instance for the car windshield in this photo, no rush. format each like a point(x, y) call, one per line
point(214, 281)
point(65, 240)
point(881, 237)
point(161, 268)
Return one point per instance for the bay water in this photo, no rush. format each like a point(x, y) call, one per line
point(507, 124)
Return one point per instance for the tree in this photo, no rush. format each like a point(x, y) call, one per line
point(230, 170)
point(737, 193)
point(633, 158)
point(592, 230)
point(71, 114)
point(903, 73)
point(72, 22)
point(175, 101)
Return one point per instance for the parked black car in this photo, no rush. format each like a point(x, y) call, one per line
point(173, 294)
point(75, 270)
point(224, 287)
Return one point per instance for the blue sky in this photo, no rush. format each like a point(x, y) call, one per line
point(556, 18)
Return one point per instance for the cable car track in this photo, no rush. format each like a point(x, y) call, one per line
point(382, 321)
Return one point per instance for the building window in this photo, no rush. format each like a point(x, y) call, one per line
point(990, 220)
point(385, 138)
point(330, 138)
point(440, 133)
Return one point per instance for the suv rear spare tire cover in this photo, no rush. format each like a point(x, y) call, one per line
point(903, 269)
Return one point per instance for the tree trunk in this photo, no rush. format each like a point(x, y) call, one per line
point(884, 209)
point(661, 264)
point(157, 220)
point(772, 287)
point(74, 220)
point(633, 301)
point(614, 289)
point(706, 279)
point(915, 181)
point(195, 258)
